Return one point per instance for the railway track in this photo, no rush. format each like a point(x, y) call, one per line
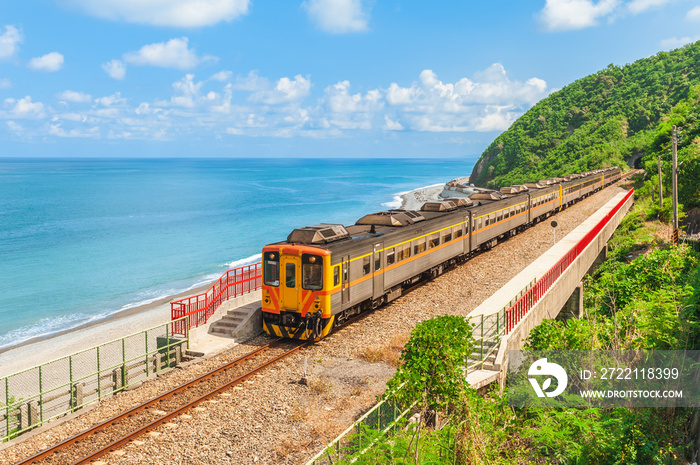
point(117, 431)
point(114, 433)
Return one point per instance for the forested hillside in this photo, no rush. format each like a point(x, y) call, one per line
point(599, 120)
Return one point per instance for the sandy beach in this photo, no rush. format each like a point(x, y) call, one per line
point(45, 349)
point(133, 320)
point(413, 200)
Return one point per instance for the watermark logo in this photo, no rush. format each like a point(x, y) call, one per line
point(543, 368)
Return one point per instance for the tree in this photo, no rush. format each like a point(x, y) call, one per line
point(433, 368)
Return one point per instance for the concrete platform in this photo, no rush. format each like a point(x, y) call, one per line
point(478, 379)
point(204, 341)
point(554, 299)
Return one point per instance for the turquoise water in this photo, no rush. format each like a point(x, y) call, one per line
point(82, 239)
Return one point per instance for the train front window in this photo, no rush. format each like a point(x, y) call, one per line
point(290, 275)
point(311, 272)
point(271, 270)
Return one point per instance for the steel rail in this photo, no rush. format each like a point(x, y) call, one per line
point(178, 411)
point(166, 395)
point(159, 421)
point(144, 429)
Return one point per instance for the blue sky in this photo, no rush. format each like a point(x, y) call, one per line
point(319, 78)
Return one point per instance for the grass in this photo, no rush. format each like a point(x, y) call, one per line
point(389, 353)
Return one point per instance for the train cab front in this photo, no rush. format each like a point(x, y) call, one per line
point(295, 296)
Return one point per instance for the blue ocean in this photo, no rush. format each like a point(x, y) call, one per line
point(81, 239)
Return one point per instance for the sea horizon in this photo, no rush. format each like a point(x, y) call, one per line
point(86, 238)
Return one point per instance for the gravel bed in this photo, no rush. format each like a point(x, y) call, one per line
point(275, 417)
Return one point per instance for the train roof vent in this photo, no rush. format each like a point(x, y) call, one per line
point(319, 234)
point(513, 189)
point(391, 218)
point(439, 206)
point(486, 195)
point(414, 215)
point(534, 185)
point(461, 201)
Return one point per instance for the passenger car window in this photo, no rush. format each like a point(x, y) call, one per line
point(290, 275)
point(271, 270)
point(390, 257)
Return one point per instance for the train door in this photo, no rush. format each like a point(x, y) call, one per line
point(291, 266)
point(345, 285)
point(378, 271)
point(469, 229)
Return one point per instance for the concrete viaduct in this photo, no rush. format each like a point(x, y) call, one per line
point(550, 284)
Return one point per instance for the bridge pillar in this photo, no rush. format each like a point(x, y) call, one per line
point(602, 256)
point(573, 308)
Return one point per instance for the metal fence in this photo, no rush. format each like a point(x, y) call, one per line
point(692, 242)
point(32, 397)
point(520, 308)
point(355, 440)
point(199, 308)
point(488, 330)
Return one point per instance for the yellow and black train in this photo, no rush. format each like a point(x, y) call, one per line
point(321, 275)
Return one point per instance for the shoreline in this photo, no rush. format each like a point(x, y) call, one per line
point(44, 349)
point(414, 199)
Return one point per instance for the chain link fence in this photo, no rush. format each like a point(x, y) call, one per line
point(32, 397)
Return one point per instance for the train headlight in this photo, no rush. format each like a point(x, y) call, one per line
point(312, 259)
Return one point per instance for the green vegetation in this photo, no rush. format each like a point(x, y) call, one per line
point(601, 120)
point(646, 296)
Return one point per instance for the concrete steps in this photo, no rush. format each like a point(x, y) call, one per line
point(239, 323)
point(229, 322)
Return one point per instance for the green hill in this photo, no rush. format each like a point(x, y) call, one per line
point(600, 120)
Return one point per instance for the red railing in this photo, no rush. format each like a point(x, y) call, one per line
point(523, 305)
point(200, 307)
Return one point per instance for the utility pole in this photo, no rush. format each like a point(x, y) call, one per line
point(674, 178)
point(661, 195)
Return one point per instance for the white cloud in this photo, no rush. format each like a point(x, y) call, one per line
point(495, 118)
point(115, 69)
point(72, 96)
point(339, 100)
point(174, 53)
point(565, 15)
point(225, 104)
point(640, 6)
point(171, 13)
point(677, 42)
point(9, 41)
point(50, 62)
point(337, 16)
point(115, 99)
point(344, 110)
point(391, 125)
point(693, 14)
point(14, 127)
point(24, 108)
point(58, 131)
point(251, 82)
point(285, 90)
point(187, 90)
point(222, 76)
point(489, 102)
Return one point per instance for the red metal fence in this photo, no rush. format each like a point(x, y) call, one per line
point(523, 305)
point(200, 307)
